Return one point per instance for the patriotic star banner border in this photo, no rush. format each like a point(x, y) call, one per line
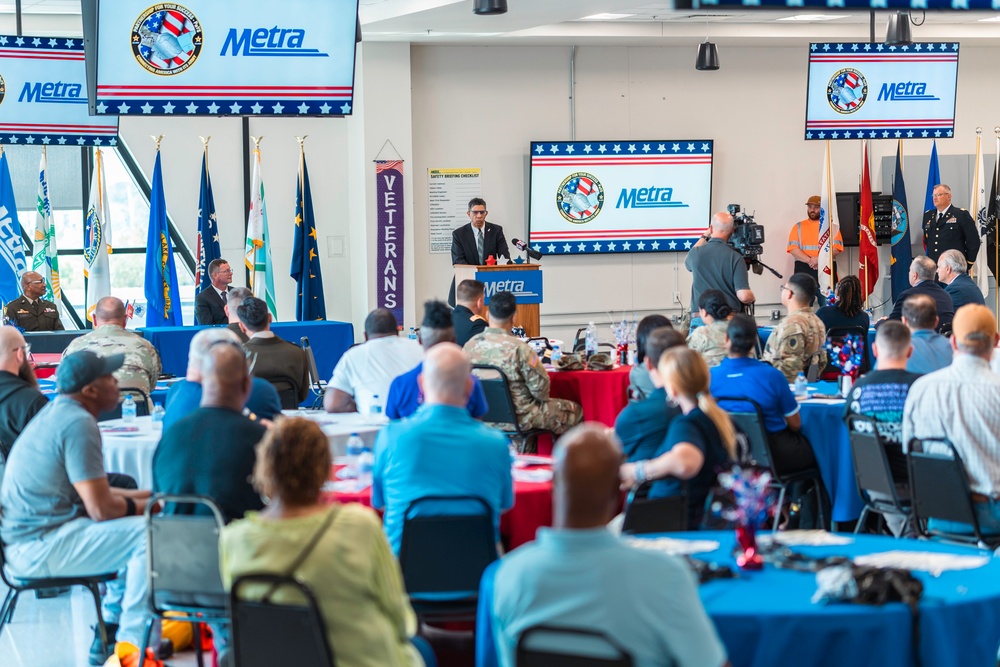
point(390, 230)
point(957, 5)
point(211, 58)
point(601, 197)
point(43, 92)
point(859, 90)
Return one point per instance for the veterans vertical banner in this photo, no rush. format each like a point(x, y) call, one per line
point(389, 203)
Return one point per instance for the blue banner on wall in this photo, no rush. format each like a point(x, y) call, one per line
point(526, 285)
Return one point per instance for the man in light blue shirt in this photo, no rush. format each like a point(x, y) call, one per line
point(577, 574)
point(931, 350)
point(441, 450)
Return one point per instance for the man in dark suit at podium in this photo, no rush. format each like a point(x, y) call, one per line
point(475, 242)
point(210, 304)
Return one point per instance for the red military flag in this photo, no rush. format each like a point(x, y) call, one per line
point(868, 271)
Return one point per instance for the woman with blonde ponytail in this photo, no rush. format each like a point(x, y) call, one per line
point(699, 443)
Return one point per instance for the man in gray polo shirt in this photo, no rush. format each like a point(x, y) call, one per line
point(717, 265)
point(60, 516)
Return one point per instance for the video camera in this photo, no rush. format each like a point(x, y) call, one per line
point(748, 240)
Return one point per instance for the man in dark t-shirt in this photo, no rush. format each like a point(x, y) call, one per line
point(881, 395)
point(20, 399)
point(211, 451)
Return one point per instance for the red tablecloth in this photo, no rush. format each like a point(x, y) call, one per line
point(45, 363)
point(601, 394)
point(532, 509)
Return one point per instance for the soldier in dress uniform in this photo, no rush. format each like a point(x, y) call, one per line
point(467, 317)
point(798, 341)
point(142, 362)
point(528, 379)
point(948, 227)
point(30, 311)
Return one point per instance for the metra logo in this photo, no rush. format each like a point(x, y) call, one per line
point(648, 198)
point(513, 286)
point(268, 42)
point(58, 93)
point(905, 91)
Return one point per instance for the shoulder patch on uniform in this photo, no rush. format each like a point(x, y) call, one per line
point(475, 318)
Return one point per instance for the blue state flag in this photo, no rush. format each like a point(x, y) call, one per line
point(162, 296)
point(902, 253)
point(933, 178)
point(12, 262)
point(310, 303)
point(208, 230)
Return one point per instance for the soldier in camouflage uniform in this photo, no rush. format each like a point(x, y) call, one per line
point(142, 362)
point(528, 379)
point(799, 341)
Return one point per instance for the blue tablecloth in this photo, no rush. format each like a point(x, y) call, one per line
point(766, 618)
point(329, 340)
point(159, 395)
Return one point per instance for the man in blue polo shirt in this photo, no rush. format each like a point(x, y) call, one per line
point(404, 393)
point(441, 450)
point(643, 425)
point(742, 377)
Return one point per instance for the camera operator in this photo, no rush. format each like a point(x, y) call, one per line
point(717, 265)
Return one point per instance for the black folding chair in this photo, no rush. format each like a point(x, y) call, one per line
point(551, 646)
point(939, 488)
point(872, 471)
point(443, 553)
point(17, 585)
point(751, 423)
point(142, 404)
point(183, 562)
point(267, 633)
point(500, 404)
point(317, 385)
point(654, 515)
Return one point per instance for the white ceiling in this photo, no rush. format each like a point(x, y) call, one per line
point(558, 22)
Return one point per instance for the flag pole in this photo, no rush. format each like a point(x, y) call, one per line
point(862, 262)
point(975, 185)
point(996, 230)
point(253, 271)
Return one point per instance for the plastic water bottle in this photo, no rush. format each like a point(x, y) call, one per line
point(366, 461)
point(801, 390)
point(590, 344)
point(556, 353)
point(128, 409)
point(413, 334)
point(355, 447)
point(157, 415)
point(375, 410)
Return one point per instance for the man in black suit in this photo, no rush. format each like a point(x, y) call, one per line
point(475, 242)
point(948, 227)
point(467, 317)
point(274, 359)
point(210, 304)
point(922, 270)
point(960, 287)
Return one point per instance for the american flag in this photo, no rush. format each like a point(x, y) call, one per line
point(582, 185)
point(166, 52)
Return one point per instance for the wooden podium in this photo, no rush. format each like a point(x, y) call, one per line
point(527, 313)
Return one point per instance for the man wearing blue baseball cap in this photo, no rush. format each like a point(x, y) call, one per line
point(60, 516)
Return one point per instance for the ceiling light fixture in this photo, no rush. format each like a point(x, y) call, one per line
point(708, 56)
point(489, 7)
point(898, 31)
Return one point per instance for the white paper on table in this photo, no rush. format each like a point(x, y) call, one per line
point(345, 486)
point(806, 538)
point(531, 474)
point(927, 561)
point(524, 460)
point(672, 546)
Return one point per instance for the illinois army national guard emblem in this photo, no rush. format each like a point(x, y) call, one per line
point(166, 39)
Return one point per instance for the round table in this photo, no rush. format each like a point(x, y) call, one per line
point(767, 618)
point(601, 394)
point(532, 508)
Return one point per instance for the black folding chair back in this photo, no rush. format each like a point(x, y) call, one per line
point(939, 486)
point(872, 471)
point(16, 586)
point(552, 646)
point(654, 515)
point(183, 561)
point(142, 404)
point(316, 383)
point(267, 633)
point(500, 402)
point(751, 423)
point(288, 391)
point(443, 553)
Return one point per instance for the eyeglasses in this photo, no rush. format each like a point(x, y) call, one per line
point(479, 212)
point(941, 194)
point(35, 282)
point(26, 347)
point(786, 287)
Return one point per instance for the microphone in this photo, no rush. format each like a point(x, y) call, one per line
point(524, 247)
